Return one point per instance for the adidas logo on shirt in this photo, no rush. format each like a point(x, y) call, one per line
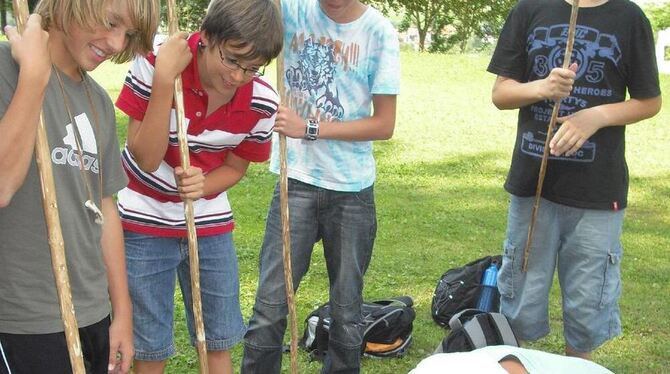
point(69, 154)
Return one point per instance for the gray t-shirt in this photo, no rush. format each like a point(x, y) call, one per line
point(28, 299)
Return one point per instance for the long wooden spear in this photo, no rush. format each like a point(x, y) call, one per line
point(194, 262)
point(550, 132)
point(283, 202)
point(54, 230)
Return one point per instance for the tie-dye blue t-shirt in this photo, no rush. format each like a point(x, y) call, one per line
point(331, 72)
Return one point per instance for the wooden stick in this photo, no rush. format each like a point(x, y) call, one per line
point(194, 262)
point(283, 202)
point(550, 132)
point(54, 230)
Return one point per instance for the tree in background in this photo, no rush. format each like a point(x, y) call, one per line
point(191, 13)
point(659, 16)
point(451, 22)
point(422, 14)
point(465, 19)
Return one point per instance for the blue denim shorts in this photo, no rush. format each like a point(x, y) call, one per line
point(584, 246)
point(153, 265)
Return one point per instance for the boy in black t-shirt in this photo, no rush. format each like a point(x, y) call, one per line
point(585, 189)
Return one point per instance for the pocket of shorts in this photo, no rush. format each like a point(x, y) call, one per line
point(507, 274)
point(611, 288)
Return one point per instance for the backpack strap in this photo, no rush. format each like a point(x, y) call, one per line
point(475, 333)
point(455, 322)
point(504, 329)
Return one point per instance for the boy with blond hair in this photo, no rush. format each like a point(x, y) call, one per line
point(46, 68)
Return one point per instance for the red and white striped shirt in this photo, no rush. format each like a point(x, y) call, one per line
point(151, 204)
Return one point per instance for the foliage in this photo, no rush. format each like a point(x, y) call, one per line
point(440, 204)
point(191, 14)
point(479, 19)
point(450, 22)
point(659, 16)
point(422, 14)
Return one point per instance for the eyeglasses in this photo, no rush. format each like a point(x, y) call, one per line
point(232, 64)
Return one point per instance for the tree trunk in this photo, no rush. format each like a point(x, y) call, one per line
point(422, 39)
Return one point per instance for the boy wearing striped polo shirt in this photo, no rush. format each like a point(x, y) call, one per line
point(230, 115)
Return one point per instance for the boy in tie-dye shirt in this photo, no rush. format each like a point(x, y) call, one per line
point(341, 80)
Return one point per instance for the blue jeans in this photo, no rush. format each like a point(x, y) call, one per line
point(153, 265)
point(584, 245)
point(347, 224)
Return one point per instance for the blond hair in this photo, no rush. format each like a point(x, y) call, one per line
point(89, 14)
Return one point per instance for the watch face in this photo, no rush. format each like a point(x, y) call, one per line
point(312, 130)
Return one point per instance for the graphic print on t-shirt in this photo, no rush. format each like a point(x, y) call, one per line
point(311, 82)
point(592, 51)
point(68, 154)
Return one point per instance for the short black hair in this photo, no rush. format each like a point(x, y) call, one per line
point(245, 22)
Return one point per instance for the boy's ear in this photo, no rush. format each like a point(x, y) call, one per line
point(204, 41)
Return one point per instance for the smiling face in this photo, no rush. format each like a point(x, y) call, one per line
point(87, 49)
point(84, 33)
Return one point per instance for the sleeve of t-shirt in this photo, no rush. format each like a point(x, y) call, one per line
point(641, 70)
point(510, 55)
point(134, 96)
point(384, 77)
point(257, 144)
point(114, 177)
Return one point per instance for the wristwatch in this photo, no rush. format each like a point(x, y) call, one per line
point(311, 129)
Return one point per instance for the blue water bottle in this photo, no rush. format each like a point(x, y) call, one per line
point(485, 302)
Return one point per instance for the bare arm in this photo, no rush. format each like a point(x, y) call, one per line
point(121, 329)
point(194, 185)
point(511, 94)
point(18, 126)
point(379, 126)
point(578, 127)
point(148, 139)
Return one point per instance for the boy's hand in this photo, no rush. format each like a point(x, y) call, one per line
point(575, 130)
point(190, 182)
point(121, 349)
point(29, 49)
point(289, 123)
point(173, 57)
point(558, 84)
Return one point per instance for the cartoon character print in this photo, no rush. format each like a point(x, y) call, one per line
point(591, 50)
point(314, 75)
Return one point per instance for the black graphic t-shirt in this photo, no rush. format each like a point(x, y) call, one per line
point(614, 49)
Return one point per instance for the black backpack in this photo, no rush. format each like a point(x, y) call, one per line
point(459, 288)
point(472, 329)
point(387, 328)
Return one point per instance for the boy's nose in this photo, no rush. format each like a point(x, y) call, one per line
point(238, 75)
point(117, 41)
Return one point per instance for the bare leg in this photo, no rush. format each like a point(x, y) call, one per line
point(148, 367)
point(219, 362)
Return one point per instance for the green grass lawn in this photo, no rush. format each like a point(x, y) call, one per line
point(441, 204)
